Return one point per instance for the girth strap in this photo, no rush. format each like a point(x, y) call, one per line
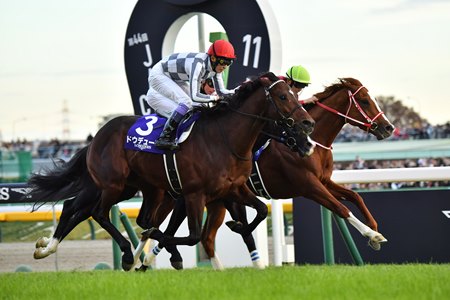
point(170, 164)
point(256, 183)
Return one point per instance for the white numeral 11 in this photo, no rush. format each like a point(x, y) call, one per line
point(257, 41)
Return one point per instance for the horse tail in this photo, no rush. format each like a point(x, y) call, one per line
point(62, 182)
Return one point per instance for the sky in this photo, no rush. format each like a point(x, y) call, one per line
point(62, 62)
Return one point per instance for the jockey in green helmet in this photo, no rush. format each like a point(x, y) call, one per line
point(297, 77)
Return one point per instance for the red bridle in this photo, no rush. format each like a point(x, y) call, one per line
point(351, 97)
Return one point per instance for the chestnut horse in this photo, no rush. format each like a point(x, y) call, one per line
point(286, 175)
point(223, 137)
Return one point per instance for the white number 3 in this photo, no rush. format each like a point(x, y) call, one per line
point(151, 121)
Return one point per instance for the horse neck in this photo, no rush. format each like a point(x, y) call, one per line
point(328, 124)
point(244, 130)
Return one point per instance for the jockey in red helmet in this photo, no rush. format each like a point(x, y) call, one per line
point(175, 84)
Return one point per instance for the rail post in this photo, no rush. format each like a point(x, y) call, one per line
point(349, 242)
point(131, 233)
point(327, 236)
point(117, 265)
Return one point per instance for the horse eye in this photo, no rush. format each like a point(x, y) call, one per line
point(283, 97)
point(364, 102)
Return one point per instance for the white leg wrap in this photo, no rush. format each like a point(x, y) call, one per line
point(256, 260)
point(150, 257)
point(215, 262)
point(137, 252)
point(375, 238)
point(361, 227)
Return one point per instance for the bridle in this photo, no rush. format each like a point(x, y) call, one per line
point(371, 124)
point(285, 120)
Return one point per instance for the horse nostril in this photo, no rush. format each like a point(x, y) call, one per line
point(389, 128)
point(308, 126)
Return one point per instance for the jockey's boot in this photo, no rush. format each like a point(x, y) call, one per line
point(166, 140)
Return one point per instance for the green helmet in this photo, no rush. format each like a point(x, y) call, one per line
point(299, 74)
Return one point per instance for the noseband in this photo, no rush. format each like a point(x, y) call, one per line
point(371, 124)
point(285, 120)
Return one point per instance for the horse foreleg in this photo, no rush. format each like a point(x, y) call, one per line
point(340, 192)
point(101, 215)
point(238, 213)
point(375, 238)
point(214, 218)
point(320, 194)
point(246, 197)
point(195, 204)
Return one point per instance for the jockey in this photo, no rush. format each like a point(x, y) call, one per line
point(175, 84)
point(208, 87)
point(297, 77)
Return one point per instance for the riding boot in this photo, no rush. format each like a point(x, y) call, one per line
point(166, 140)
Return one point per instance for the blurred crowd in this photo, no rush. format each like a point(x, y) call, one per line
point(359, 163)
point(46, 149)
point(426, 131)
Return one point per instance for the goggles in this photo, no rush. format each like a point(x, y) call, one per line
point(299, 85)
point(224, 61)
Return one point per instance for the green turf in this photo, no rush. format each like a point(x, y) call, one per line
point(413, 281)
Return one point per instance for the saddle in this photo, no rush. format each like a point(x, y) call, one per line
point(142, 134)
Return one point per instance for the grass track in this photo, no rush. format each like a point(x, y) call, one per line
point(413, 281)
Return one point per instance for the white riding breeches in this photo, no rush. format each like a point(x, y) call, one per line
point(164, 94)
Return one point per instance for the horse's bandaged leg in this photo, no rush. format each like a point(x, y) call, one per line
point(256, 260)
point(150, 257)
point(216, 263)
point(137, 252)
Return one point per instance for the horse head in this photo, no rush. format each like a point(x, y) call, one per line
point(358, 108)
point(286, 105)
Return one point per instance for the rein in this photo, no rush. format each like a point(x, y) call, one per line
point(371, 124)
point(351, 97)
point(287, 120)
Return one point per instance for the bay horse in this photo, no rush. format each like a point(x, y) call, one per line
point(287, 175)
point(224, 137)
point(72, 182)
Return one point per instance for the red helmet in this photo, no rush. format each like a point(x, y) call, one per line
point(222, 48)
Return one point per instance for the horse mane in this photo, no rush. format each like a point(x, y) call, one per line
point(245, 90)
point(341, 83)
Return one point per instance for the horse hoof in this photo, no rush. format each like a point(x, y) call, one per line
point(374, 245)
point(38, 254)
point(42, 242)
point(235, 226)
point(177, 265)
point(376, 241)
point(126, 266)
point(258, 265)
point(142, 268)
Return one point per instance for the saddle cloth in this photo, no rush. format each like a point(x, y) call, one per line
point(142, 134)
